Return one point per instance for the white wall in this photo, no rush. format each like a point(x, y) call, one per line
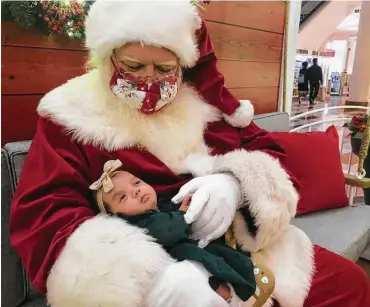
point(351, 58)
point(290, 47)
point(319, 29)
point(338, 62)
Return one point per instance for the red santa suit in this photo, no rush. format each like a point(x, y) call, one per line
point(79, 258)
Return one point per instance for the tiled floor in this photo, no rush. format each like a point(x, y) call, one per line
point(329, 115)
point(330, 101)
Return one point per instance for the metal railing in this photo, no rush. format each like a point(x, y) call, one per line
point(323, 123)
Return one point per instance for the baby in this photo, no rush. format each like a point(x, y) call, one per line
point(122, 194)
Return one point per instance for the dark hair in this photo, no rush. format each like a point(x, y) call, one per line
point(216, 282)
point(304, 64)
point(315, 60)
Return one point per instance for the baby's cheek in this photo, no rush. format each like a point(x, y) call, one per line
point(113, 209)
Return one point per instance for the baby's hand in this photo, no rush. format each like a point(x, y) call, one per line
point(185, 203)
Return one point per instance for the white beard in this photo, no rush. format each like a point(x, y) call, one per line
point(93, 115)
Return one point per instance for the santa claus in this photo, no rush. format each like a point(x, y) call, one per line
point(155, 100)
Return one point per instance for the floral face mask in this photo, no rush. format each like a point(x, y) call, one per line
point(147, 95)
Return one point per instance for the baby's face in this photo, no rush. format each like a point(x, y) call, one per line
point(130, 195)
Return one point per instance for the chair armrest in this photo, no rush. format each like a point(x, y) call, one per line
point(353, 181)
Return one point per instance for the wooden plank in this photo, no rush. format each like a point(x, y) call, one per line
point(29, 70)
point(249, 74)
point(14, 35)
point(264, 99)
point(18, 117)
point(262, 15)
point(233, 43)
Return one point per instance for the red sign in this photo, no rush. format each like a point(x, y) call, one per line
point(327, 53)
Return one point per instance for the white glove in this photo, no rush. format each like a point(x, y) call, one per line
point(213, 205)
point(183, 284)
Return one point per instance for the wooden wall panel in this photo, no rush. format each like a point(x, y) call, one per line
point(265, 99)
point(249, 74)
point(13, 35)
point(263, 15)
point(32, 65)
point(248, 39)
point(37, 70)
point(234, 43)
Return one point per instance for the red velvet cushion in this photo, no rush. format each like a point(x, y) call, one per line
point(313, 158)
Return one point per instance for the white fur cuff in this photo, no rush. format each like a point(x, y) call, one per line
point(106, 262)
point(268, 191)
point(291, 258)
point(242, 116)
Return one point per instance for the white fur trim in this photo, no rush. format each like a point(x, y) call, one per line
point(291, 259)
point(198, 164)
point(93, 115)
point(169, 24)
point(266, 187)
point(242, 116)
point(106, 262)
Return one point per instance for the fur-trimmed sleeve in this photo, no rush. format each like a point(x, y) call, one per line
point(270, 198)
point(75, 257)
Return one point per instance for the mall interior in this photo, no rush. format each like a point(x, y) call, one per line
point(337, 34)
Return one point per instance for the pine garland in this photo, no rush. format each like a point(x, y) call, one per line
point(51, 17)
point(64, 17)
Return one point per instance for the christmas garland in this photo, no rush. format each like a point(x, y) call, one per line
point(64, 17)
point(51, 17)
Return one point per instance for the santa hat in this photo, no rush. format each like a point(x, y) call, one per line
point(169, 24)
point(172, 24)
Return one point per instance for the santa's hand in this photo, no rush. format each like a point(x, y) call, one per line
point(183, 284)
point(213, 205)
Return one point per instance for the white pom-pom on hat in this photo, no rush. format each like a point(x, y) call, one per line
point(242, 116)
